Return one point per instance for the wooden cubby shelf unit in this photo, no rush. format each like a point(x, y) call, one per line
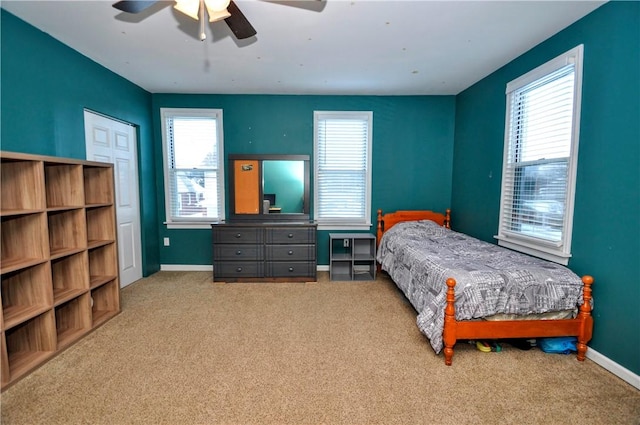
point(58, 260)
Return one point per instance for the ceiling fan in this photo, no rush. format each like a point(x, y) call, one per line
point(216, 9)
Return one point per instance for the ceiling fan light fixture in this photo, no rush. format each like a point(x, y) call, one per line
point(217, 15)
point(188, 7)
point(217, 5)
point(217, 9)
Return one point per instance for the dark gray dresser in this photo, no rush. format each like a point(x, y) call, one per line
point(253, 252)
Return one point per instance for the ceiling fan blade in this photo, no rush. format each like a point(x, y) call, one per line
point(238, 23)
point(133, 6)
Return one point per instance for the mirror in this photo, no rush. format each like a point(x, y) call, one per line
point(269, 187)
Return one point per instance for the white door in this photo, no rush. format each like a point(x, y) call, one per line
point(114, 142)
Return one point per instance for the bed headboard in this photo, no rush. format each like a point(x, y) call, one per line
point(386, 221)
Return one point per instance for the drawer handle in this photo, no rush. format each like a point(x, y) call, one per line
point(239, 269)
point(290, 252)
point(290, 269)
point(238, 235)
point(238, 252)
point(290, 235)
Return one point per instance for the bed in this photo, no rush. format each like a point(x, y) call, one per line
point(466, 289)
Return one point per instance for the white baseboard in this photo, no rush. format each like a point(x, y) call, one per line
point(613, 367)
point(186, 268)
point(321, 268)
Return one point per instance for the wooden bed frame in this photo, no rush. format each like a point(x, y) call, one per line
point(454, 330)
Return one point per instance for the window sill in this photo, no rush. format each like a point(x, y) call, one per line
point(535, 251)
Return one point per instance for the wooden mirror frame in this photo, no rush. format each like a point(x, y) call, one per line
point(254, 186)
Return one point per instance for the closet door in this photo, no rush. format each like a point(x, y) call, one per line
point(113, 141)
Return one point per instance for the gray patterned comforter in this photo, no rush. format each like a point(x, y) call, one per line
point(420, 255)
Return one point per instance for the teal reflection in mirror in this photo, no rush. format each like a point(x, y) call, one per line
point(283, 186)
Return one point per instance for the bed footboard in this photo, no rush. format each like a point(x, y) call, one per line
point(580, 327)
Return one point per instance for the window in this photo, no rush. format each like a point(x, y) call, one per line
point(193, 166)
point(342, 181)
point(540, 159)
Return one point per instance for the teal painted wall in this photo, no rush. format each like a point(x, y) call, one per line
point(412, 149)
point(606, 235)
point(45, 88)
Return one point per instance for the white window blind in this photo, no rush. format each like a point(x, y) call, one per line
point(343, 168)
point(194, 186)
point(540, 159)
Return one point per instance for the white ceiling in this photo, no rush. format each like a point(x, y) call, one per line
point(352, 47)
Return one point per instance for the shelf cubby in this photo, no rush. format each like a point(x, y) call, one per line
point(364, 270)
point(73, 319)
point(25, 294)
point(98, 185)
point(100, 225)
point(21, 186)
point(24, 241)
point(364, 249)
point(105, 302)
point(102, 264)
point(341, 270)
point(67, 232)
point(63, 184)
point(70, 276)
point(364, 259)
point(30, 343)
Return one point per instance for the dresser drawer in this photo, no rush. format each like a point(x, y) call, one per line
point(239, 252)
point(292, 269)
point(236, 235)
point(291, 252)
point(237, 269)
point(291, 235)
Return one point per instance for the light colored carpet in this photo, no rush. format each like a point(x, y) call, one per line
point(185, 350)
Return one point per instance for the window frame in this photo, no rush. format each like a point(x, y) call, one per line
point(557, 252)
point(363, 223)
point(205, 222)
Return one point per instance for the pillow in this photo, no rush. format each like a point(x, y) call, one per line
point(431, 228)
point(418, 229)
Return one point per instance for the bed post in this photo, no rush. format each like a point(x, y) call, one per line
point(586, 320)
point(449, 332)
point(379, 235)
point(447, 218)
